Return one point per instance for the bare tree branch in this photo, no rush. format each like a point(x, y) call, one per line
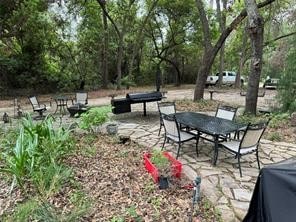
point(278, 38)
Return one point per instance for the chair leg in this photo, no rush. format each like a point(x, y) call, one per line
point(196, 145)
point(159, 129)
point(179, 147)
point(239, 166)
point(40, 113)
point(163, 142)
point(257, 156)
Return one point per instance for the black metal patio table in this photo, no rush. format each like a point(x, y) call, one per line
point(61, 103)
point(210, 125)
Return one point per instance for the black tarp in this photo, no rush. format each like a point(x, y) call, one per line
point(274, 196)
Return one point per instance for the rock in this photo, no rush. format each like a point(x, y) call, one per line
point(242, 194)
point(189, 172)
point(112, 128)
point(226, 213)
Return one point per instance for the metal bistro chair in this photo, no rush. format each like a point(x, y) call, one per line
point(81, 98)
point(173, 132)
point(223, 112)
point(165, 108)
point(248, 144)
point(37, 107)
point(226, 112)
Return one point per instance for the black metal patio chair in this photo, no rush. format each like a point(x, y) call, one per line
point(248, 144)
point(165, 108)
point(226, 112)
point(37, 107)
point(81, 98)
point(173, 133)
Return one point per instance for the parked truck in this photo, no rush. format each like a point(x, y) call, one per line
point(228, 79)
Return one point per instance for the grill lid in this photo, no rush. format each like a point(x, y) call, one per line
point(143, 96)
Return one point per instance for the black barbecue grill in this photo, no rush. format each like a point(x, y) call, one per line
point(123, 105)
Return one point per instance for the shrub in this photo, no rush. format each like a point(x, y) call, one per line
point(287, 84)
point(278, 119)
point(94, 117)
point(275, 136)
point(38, 147)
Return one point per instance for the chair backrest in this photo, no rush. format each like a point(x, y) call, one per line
point(81, 97)
point(34, 102)
point(253, 135)
point(226, 112)
point(171, 126)
point(166, 108)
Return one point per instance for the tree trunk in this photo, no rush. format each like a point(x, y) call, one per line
point(256, 31)
point(177, 70)
point(203, 72)
point(140, 38)
point(204, 69)
point(105, 52)
point(119, 61)
point(221, 20)
point(242, 55)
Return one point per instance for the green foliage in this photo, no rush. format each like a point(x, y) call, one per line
point(275, 136)
point(127, 81)
point(276, 119)
point(159, 159)
point(94, 117)
point(49, 179)
point(287, 84)
point(249, 118)
point(87, 145)
point(36, 154)
point(131, 211)
point(279, 119)
point(117, 219)
point(36, 209)
point(161, 162)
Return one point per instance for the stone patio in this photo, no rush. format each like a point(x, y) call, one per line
point(222, 184)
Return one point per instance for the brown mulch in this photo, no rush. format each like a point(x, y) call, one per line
point(115, 179)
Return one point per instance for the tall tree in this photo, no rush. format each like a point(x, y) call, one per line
point(221, 16)
point(120, 30)
point(210, 51)
point(105, 53)
point(139, 38)
point(256, 33)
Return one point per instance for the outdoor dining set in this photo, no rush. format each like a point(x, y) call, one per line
point(74, 105)
point(225, 133)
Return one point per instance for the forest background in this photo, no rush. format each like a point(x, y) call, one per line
point(58, 45)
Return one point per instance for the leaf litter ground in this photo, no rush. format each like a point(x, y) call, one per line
point(120, 189)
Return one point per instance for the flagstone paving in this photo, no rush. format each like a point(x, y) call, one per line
point(221, 184)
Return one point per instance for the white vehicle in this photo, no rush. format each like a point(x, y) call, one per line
point(228, 78)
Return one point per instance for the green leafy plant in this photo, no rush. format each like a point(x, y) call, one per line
point(37, 152)
point(275, 136)
point(287, 84)
point(161, 162)
point(36, 209)
point(278, 119)
point(247, 118)
point(117, 219)
point(94, 117)
point(127, 81)
point(131, 211)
